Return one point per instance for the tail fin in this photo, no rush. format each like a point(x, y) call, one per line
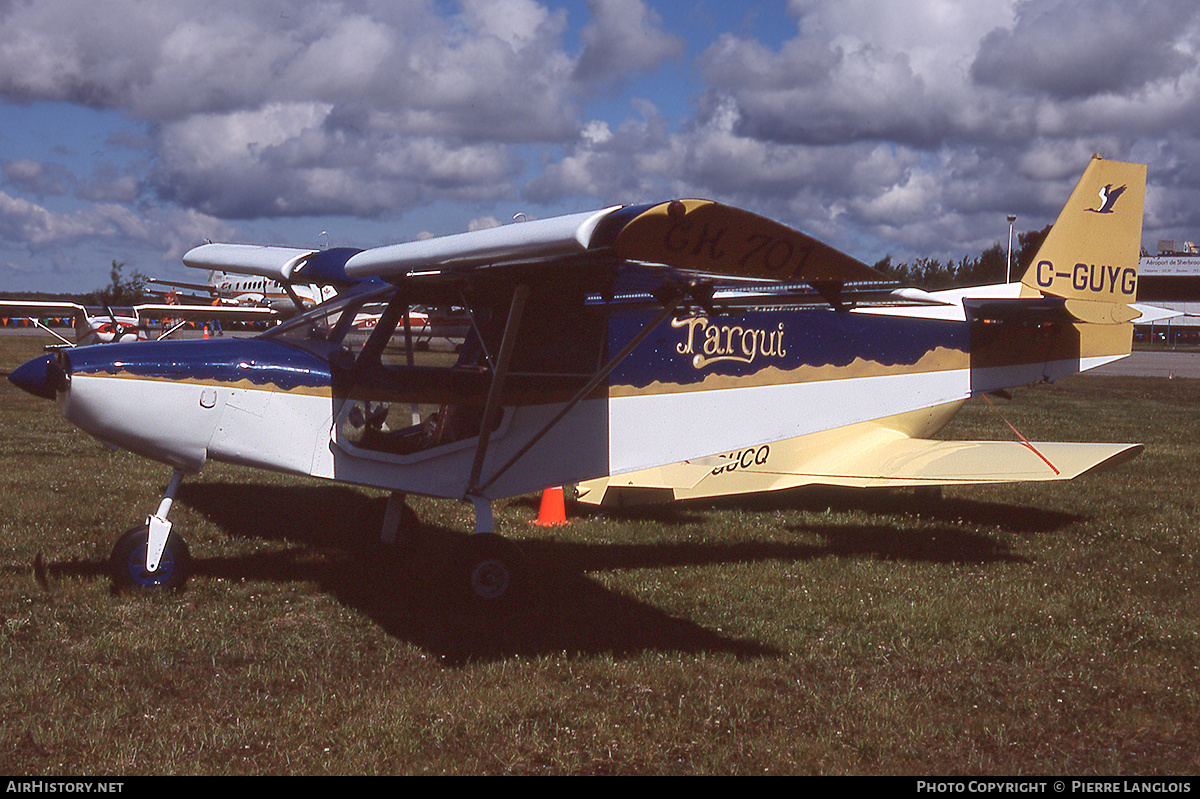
point(1090, 257)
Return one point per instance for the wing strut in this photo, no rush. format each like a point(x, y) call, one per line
point(492, 407)
point(408, 349)
point(38, 324)
point(671, 304)
point(292, 295)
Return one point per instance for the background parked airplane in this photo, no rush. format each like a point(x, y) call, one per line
point(102, 325)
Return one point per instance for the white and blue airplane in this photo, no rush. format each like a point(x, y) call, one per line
point(601, 345)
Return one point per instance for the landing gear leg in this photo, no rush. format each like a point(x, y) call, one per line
point(488, 568)
point(151, 557)
point(157, 525)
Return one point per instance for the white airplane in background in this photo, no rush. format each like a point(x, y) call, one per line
point(97, 325)
point(248, 291)
point(301, 281)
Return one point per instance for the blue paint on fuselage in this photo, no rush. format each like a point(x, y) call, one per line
point(262, 362)
point(685, 350)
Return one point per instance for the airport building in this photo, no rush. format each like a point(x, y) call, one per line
point(1171, 279)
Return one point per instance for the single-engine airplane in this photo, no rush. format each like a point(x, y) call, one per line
point(669, 332)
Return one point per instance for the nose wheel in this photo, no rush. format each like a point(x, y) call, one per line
point(127, 564)
point(151, 557)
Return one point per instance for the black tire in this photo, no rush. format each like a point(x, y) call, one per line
point(489, 571)
point(127, 563)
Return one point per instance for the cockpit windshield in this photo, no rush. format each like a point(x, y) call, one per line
point(343, 323)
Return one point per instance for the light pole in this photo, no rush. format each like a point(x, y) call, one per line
point(1008, 270)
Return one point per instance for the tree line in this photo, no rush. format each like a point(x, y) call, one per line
point(121, 290)
point(989, 266)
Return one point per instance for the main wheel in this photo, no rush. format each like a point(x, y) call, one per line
point(128, 562)
point(489, 570)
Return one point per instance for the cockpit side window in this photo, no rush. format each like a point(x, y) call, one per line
point(419, 382)
point(423, 381)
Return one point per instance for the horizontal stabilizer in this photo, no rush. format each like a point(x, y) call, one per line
point(915, 462)
point(887, 459)
point(1149, 314)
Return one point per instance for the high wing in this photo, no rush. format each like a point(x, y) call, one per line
point(286, 265)
point(175, 316)
point(26, 308)
point(36, 311)
point(295, 278)
point(688, 240)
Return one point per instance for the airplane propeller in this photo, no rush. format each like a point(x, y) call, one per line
point(119, 330)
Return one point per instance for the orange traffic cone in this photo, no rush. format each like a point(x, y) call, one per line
point(553, 510)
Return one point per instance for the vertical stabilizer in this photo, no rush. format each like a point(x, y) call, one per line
point(1090, 257)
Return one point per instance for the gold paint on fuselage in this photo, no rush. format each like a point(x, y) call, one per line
point(243, 384)
point(940, 359)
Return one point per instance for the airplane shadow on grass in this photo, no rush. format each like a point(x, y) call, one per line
point(329, 536)
point(406, 588)
point(930, 506)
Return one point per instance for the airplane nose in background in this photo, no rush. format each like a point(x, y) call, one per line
point(42, 377)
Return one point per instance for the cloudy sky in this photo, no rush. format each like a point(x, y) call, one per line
point(132, 131)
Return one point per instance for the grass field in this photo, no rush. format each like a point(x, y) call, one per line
point(1026, 630)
